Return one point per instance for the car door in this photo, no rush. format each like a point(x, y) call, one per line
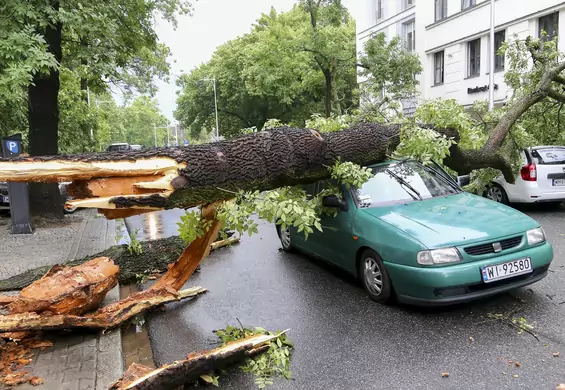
point(336, 229)
point(299, 239)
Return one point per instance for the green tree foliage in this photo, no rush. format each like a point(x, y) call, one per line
point(273, 72)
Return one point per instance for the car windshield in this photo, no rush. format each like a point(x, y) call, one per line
point(403, 182)
point(116, 148)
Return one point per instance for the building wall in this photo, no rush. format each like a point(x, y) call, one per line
point(519, 19)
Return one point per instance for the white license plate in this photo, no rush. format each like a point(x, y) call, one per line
point(495, 272)
point(558, 182)
point(5, 199)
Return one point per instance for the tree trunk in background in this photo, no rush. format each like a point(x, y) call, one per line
point(43, 113)
point(328, 98)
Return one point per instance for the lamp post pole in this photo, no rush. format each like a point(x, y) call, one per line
point(492, 58)
point(215, 106)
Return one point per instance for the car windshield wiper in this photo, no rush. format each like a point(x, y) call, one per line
point(405, 183)
point(445, 179)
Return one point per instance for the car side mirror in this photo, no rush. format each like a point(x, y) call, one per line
point(334, 202)
point(464, 180)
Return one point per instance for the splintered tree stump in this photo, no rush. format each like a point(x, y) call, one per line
point(68, 290)
point(126, 183)
point(171, 376)
point(110, 316)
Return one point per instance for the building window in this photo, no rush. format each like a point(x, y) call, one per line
point(438, 67)
point(409, 35)
point(499, 38)
point(380, 9)
point(441, 9)
point(474, 57)
point(408, 3)
point(467, 3)
point(549, 24)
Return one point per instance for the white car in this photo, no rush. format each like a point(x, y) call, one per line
point(541, 179)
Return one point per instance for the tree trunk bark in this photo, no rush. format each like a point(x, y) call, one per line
point(200, 174)
point(329, 94)
point(43, 113)
point(172, 376)
point(155, 257)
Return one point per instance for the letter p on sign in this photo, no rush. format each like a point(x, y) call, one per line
point(12, 146)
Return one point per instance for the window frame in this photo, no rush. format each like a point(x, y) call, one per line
point(554, 18)
point(472, 3)
point(406, 5)
point(499, 59)
point(405, 32)
point(380, 10)
point(477, 58)
point(440, 10)
point(441, 55)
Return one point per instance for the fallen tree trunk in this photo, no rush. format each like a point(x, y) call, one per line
point(172, 376)
point(155, 257)
point(68, 290)
point(193, 175)
point(106, 317)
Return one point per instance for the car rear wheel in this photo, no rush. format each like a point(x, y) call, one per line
point(285, 237)
point(374, 277)
point(496, 192)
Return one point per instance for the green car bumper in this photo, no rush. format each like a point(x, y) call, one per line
point(463, 282)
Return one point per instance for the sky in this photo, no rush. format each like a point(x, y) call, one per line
point(212, 23)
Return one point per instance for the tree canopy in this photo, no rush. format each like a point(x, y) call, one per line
point(274, 72)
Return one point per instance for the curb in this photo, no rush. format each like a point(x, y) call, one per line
point(135, 343)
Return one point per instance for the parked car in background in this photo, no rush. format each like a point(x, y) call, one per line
point(136, 147)
point(413, 234)
point(5, 198)
point(118, 147)
point(541, 179)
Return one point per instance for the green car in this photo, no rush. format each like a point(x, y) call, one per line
point(413, 234)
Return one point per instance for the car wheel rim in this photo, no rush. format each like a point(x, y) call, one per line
point(373, 276)
point(495, 194)
point(285, 238)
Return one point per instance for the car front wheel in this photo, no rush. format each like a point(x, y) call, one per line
point(285, 237)
point(374, 277)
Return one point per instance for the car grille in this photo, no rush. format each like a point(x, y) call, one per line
point(484, 249)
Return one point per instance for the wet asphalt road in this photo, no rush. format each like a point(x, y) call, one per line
point(345, 341)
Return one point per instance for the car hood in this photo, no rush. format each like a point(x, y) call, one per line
point(454, 220)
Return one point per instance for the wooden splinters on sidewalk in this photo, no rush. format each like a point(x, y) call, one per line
point(171, 376)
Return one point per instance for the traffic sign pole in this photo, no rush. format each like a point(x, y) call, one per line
point(18, 194)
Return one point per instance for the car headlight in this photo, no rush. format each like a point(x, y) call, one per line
point(439, 256)
point(535, 236)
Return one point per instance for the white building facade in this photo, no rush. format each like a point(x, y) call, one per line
point(452, 39)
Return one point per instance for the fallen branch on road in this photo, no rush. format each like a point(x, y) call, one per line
point(107, 317)
point(155, 257)
point(171, 376)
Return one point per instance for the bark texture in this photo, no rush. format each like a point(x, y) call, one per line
point(68, 290)
point(155, 258)
point(107, 317)
point(202, 174)
point(171, 376)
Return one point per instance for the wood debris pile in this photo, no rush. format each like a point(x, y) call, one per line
point(15, 354)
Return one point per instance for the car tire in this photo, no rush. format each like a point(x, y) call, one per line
point(285, 237)
point(374, 277)
point(496, 193)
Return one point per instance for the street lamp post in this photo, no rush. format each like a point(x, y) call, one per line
point(155, 133)
point(215, 106)
point(492, 57)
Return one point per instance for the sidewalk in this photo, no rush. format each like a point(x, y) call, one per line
point(77, 361)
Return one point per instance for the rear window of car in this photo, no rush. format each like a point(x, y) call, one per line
point(116, 148)
point(549, 155)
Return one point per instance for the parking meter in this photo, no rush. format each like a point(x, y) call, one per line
point(17, 192)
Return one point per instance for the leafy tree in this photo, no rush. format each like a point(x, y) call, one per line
point(102, 42)
point(141, 120)
point(271, 72)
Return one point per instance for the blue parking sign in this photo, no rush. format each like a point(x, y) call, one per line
point(12, 146)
